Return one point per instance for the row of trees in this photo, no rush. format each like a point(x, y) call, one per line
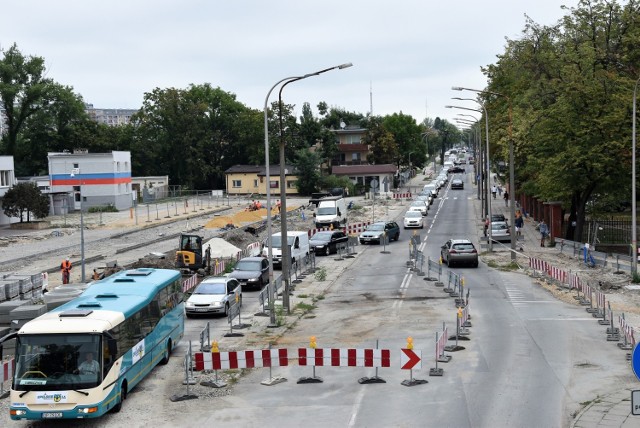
point(570, 88)
point(191, 134)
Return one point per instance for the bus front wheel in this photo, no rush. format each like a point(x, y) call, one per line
point(123, 396)
point(167, 352)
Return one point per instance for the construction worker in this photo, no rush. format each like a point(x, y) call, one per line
point(65, 268)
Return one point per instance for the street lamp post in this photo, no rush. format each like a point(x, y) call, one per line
point(488, 196)
point(286, 255)
point(634, 231)
point(512, 180)
point(82, 270)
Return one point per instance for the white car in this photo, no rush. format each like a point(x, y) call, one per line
point(420, 206)
point(413, 219)
point(214, 295)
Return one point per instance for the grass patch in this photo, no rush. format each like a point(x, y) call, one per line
point(304, 307)
point(321, 274)
point(320, 297)
point(302, 296)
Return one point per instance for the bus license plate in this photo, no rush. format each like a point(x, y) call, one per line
point(51, 415)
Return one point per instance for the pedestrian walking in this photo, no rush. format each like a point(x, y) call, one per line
point(506, 198)
point(544, 232)
point(487, 222)
point(519, 223)
point(499, 189)
point(65, 270)
point(494, 190)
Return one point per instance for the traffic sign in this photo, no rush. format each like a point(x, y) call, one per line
point(635, 403)
point(410, 359)
point(374, 184)
point(635, 361)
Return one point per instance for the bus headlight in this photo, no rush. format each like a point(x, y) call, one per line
point(16, 412)
point(87, 410)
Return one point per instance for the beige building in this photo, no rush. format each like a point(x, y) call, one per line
point(248, 179)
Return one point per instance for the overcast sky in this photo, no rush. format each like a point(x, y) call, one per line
point(406, 53)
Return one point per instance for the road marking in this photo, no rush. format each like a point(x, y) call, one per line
point(560, 319)
point(356, 407)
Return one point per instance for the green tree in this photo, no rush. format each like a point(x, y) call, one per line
point(382, 144)
point(407, 135)
point(570, 89)
point(24, 200)
point(307, 171)
point(24, 90)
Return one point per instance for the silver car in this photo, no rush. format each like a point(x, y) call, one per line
point(413, 219)
point(214, 295)
point(500, 231)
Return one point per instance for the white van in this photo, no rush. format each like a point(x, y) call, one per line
point(298, 242)
point(332, 211)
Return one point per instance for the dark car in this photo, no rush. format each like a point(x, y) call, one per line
point(456, 168)
point(326, 242)
point(456, 183)
point(251, 272)
point(498, 217)
point(459, 251)
point(374, 232)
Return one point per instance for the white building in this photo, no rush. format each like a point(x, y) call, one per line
point(7, 181)
point(81, 180)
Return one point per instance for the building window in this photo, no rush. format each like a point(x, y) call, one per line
point(291, 184)
point(4, 179)
point(353, 139)
point(355, 157)
point(274, 184)
point(255, 183)
point(236, 183)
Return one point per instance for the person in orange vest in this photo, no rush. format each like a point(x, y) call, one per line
point(65, 268)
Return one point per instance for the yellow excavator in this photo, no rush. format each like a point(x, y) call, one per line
point(190, 255)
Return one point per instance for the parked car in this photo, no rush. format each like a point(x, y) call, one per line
point(500, 231)
point(326, 242)
point(413, 219)
point(374, 232)
point(459, 251)
point(251, 272)
point(498, 217)
point(456, 183)
point(421, 206)
point(214, 295)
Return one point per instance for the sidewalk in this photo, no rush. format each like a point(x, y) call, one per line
point(611, 410)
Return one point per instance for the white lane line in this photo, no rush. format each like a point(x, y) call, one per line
point(356, 407)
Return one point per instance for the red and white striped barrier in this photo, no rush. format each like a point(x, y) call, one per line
point(6, 370)
point(344, 357)
point(401, 195)
point(465, 316)
point(241, 359)
point(253, 248)
point(627, 330)
point(537, 264)
point(189, 283)
point(218, 267)
point(557, 274)
point(600, 300)
point(350, 229)
point(441, 343)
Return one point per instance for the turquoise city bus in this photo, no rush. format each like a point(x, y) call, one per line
point(80, 359)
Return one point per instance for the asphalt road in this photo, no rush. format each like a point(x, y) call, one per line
point(531, 361)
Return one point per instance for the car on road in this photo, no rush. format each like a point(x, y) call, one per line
point(456, 183)
point(375, 232)
point(500, 231)
point(421, 205)
point(214, 295)
point(413, 219)
point(456, 169)
point(326, 242)
point(498, 217)
point(251, 272)
point(459, 252)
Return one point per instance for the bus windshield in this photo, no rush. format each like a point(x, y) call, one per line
point(50, 362)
